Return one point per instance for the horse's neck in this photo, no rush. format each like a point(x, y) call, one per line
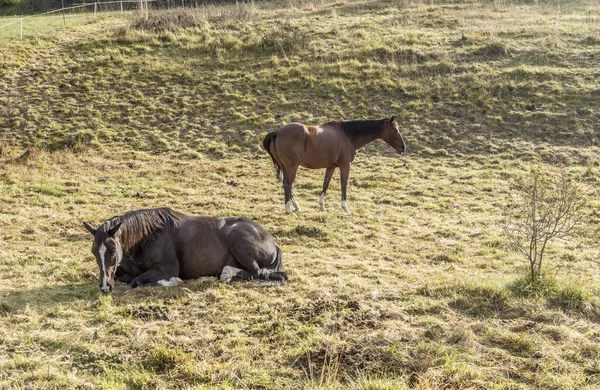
point(362, 140)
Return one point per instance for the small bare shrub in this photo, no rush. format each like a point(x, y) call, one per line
point(546, 205)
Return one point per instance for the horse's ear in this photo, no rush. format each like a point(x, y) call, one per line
point(114, 229)
point(393, 119)
point(90, 228)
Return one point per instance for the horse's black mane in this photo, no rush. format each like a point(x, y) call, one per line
point(140, 228)
point(358, 128)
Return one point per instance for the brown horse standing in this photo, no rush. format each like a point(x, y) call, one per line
point(331, 145)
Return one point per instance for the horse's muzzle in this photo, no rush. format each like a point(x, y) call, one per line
point(400, 151)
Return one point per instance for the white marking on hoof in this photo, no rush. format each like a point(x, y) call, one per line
point(345, 207)
point(296, 206)
point(169, 283)
point(322, 202)
point(228, 273)
point(288, 208)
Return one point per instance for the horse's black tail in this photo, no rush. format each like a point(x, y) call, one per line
point(266, 143)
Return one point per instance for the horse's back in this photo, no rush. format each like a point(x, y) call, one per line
point(294, 131)
point(308, 145)
point(217, 228)
point(301, 130)
point(241, 227)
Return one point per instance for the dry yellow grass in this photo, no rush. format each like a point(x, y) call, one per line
point(412, 289)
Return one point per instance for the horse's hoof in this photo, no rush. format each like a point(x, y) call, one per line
point(345, 207)
point(293, 214)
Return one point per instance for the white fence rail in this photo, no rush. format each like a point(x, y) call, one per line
point(97, 6)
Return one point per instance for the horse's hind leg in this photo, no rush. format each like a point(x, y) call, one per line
point(328, 175)
point(230, 272)
point(255, 250)
point(274, 278)
point(277, 276)
point(288, 179)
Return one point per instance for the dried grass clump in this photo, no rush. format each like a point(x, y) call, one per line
point(4, 148)
point(287, 38)
point(166, 21)
point(241, 11)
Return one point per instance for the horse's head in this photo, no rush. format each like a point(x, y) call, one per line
point(391, 135)
point(108, 252)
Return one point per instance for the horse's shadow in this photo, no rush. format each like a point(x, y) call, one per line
point(46, 297)
point(51, 297)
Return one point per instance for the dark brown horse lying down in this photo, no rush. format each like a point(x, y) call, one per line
point(328, 146)
point(162, 246)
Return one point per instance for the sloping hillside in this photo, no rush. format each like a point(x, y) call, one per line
point(463, 78)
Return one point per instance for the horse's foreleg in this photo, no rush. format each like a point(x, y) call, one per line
point(328, 175)
point(154, 277)
point(344, 173)
point(123, 276)
point(288, 180)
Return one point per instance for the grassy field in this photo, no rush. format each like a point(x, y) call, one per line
point(418, 288)
point(55, 24)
